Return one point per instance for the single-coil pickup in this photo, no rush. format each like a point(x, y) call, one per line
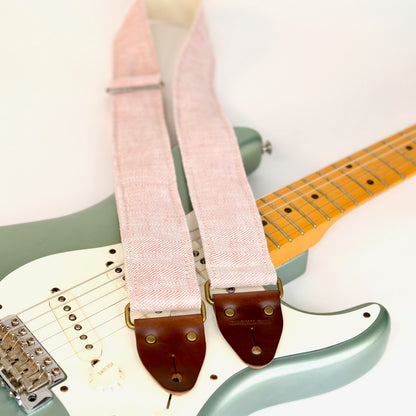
point(76, 324)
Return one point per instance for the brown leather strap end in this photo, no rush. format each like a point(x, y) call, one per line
point(252, 323)
point(172, 349)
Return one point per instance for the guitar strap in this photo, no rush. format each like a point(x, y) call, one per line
point(159, 266)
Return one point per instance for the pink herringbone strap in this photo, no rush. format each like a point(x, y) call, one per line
point(159, 266)
point(232, 235)
point(158, 255)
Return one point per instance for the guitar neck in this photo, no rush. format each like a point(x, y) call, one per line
point(297, 216)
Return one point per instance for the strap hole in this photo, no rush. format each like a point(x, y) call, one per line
point(256, 350)
point(176, 377)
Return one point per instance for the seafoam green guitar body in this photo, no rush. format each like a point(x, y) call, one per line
point(309, 351)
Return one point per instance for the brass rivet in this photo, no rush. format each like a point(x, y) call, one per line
point(150, 339)
point(268, 310)
point(229, 312)
point(191, 336)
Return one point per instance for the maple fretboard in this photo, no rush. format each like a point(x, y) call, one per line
point(297, 216)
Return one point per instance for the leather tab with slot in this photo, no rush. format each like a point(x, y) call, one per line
point(172, 349)
point(252, 324)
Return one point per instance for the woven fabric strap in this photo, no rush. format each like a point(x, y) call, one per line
point(159, 265)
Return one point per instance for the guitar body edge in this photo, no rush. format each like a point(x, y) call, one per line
point(302, 375)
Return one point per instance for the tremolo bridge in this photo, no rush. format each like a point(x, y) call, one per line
point(26, 369)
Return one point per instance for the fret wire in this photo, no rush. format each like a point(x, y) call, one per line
point(287, 227)
point(405, 136)
point(324, 194)
point(339, 187)
point(381, 159)
point(378, 157)
point(284, 215)
point(369, 171)
point(323, 176)
point(277, 227)
point(272, 239)
point(297, 209)
point(400, 152)
point(354, 180)
point(310, 202)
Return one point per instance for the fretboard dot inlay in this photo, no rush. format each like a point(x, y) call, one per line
point(288, 210)
point(314, 196)
point(348, 166)
point(370, 182)
point(264, 223)
point(409, 148)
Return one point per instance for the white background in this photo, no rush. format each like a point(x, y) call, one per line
point(319, 79)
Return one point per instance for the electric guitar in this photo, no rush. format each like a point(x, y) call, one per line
point(64, 336)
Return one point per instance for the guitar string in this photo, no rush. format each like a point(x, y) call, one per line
point(80, 307)
point(110, 319)
point(113, 268)
point(381, 147)
point(290, 229)
point(63, 292)
point(336, 169)
point(93, 328)
point(274, 209)
point(342, 175)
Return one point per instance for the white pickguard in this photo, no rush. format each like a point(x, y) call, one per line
point(119, 385)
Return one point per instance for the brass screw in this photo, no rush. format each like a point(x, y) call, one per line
point(229, 312)
point(268, 310)
point(191, 336)
point(150, 339)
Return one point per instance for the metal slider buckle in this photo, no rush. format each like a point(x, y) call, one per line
point(130, 324)
point(123, 90)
